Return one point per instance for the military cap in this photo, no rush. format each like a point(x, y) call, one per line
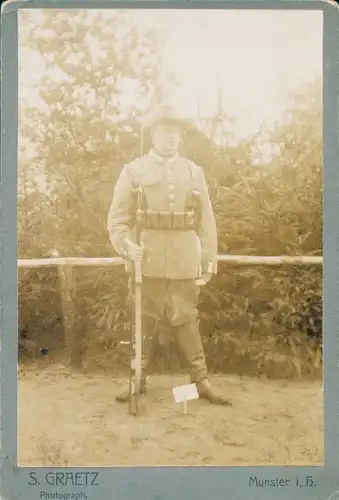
point(164, 112)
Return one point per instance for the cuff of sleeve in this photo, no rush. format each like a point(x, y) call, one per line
point(210, 267)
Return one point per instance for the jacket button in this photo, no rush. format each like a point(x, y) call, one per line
point(171, 187)
point(171, 197)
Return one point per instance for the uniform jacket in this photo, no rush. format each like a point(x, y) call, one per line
point(168, 254)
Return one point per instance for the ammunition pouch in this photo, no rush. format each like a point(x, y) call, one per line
point(188, 220)
point(164, 220)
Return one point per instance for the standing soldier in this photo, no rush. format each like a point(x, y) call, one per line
point(178, 243)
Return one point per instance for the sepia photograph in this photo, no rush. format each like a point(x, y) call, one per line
point(170, 219)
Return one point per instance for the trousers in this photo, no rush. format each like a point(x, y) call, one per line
point(170, 306)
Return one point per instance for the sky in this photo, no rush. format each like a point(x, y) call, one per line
point(256, 57)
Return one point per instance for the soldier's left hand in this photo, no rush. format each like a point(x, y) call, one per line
point(205, 278)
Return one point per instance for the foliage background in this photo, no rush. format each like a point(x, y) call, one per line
point(253, 320)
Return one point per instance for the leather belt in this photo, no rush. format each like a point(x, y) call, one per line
point(164, 220)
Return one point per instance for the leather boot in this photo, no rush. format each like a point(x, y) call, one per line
point(189, 339)
point(214, 396)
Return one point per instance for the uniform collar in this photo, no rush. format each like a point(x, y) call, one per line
point(162, 159)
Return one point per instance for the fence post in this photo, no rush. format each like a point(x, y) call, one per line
point(67, 290)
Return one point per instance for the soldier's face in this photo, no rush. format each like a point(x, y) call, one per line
point(166, 138)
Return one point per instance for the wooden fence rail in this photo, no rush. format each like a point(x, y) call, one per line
point(117, 261)
point(66, 267)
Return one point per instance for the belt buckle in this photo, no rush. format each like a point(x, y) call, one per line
point(165, 220)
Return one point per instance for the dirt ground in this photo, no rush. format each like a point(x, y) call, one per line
point(73, 419)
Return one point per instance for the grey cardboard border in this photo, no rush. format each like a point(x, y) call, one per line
point(164, 483)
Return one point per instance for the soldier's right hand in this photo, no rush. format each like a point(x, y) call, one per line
point(134, 252)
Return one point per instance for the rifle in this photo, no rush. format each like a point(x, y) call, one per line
point(136, 362)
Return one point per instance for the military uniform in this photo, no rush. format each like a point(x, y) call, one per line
point(179, 242)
